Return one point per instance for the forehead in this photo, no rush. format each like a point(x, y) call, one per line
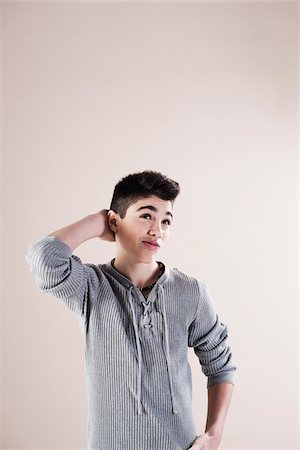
point(153, 203)
point(153, 200)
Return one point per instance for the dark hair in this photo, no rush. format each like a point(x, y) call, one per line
point(142, 185)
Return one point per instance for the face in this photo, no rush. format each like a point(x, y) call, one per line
point(148, 219)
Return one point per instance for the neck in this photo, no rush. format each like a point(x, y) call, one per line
point(140, 274)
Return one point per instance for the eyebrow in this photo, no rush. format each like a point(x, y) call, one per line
point(153, 208)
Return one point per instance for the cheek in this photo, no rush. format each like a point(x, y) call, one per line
point(166, 234)
point(132, 234)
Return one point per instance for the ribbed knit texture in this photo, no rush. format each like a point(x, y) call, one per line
point(138, 378)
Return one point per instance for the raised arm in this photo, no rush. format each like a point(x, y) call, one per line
point(93, 225)
point(61, 273)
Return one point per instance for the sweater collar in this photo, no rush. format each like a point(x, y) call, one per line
point(128, 283)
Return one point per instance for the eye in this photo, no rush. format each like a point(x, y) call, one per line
point(166, 220)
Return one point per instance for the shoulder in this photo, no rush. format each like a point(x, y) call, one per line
point(180, 277)
point(188, 290)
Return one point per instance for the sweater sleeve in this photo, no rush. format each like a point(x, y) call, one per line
point(208, 335)
point(59, 272)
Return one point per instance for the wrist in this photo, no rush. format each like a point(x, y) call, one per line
point(93, 224)
point(214, 432)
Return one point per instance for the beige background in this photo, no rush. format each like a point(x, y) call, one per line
point(206, 93)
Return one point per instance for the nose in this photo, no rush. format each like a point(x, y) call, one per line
point(156, 230)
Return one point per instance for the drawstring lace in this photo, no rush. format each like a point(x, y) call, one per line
point(167, 351)
point(146, 322)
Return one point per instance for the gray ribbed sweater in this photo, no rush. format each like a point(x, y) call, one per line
point(138, 378)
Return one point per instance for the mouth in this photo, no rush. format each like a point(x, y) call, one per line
point(151, 245)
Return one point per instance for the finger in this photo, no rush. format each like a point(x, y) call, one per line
point(196, 447)
point(199, 443)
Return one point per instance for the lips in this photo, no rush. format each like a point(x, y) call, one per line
point(154, 243)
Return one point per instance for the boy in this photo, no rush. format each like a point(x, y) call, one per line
point(139, 317)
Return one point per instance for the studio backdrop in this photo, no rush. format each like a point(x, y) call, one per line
point(205, 93)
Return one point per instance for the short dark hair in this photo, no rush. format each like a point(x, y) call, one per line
point(139, 185)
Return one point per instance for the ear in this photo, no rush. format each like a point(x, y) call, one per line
point(112, 220)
